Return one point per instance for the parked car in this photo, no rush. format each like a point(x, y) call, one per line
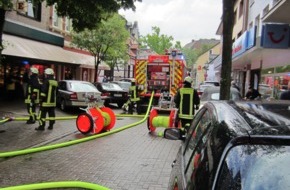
point(214, 83)
point(124, 85)
point(213, 94)
point(112, 93)
point(234, 145)
point(72, 93)
point(202, 87)
point(127, 79)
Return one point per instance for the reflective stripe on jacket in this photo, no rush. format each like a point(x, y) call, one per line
point(48, 93)
point(133, 92)
point(186, 107)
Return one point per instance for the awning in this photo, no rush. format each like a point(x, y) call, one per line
point(21, 47)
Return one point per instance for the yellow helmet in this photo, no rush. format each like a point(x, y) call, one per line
point(48, 71)
point(188, 79)
point(34, 70)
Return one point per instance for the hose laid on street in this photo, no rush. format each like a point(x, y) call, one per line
point(6, 119)
point(64, 144)
point(66, 184)
point(49, 185)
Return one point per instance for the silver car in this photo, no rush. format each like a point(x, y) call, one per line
point(75, 93)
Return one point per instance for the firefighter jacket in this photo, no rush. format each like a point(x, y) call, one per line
point(48, 92)
point(134, 93)
point(186, 100)
point(33, 90)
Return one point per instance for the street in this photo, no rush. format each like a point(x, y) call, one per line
point(129, 159)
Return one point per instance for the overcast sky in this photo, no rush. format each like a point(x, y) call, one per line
point(184, 20)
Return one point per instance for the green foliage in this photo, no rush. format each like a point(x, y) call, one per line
point(106, 42)
point(6, 5)
point(191, 55)
point(89, 13)
point(156, 41)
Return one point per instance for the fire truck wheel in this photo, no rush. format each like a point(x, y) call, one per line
point(84, 123)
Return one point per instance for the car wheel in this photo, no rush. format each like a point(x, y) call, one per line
point(120, 104)
point(63, 105)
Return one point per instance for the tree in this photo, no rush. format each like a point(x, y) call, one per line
point(228, 23)
point(117, 56)
point(84, 13)
point(157, 42)
point(107, 40)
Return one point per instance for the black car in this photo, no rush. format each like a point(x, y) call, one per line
point(234, 145)
point(112, 93)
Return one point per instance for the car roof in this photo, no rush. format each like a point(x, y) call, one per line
point(253, 117)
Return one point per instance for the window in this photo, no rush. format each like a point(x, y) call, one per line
point(67, 24)
point(275, 2)
point(251, 2)
point(29, 8)
point(197, 137)
point(241, 8)
point(56, 20)
point(265, 10)
point(257, 23)
point(235, 17)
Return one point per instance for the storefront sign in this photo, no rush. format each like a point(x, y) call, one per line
point(245, 42)
point(275, 36)
point(240, 45)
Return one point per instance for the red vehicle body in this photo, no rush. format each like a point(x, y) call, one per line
point(158, 73)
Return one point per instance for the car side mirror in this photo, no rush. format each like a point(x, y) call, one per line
point(173, 134)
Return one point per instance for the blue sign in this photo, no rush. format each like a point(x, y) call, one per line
point(275, 36)
point(251, 37)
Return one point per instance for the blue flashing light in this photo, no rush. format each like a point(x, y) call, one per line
point(25, 62)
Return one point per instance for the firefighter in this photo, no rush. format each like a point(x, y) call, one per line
point(48, 100)
point(134, 97)
point(186, 100)
point(32, 95)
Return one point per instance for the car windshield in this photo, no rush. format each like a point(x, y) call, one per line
point(256, 167)
point(214, 94)
point(82, 87)
point(111, 86)
point(124, 85)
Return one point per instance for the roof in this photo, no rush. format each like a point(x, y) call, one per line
point(254, 117)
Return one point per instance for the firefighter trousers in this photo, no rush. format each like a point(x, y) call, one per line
point(42, 115)
point(31, 107)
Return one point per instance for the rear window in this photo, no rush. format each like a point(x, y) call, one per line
point(82, 87)
point(111, 86)
point(256, 167)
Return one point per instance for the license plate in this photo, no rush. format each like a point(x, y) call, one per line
point(118, 95)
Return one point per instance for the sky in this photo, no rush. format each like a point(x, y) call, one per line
point(184, 20)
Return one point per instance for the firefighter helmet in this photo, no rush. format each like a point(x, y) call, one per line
point(34, 70)
point(188, 79)
point(48, 71)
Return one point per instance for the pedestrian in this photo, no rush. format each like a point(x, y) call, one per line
point(48, 100)
point(134, 97)
point(105, 79)
point(234, 85)
point(32, 95)
point(186, 100)
point(286, 94)
point(252, 94)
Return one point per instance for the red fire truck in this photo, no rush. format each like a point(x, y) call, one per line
point(158, 73)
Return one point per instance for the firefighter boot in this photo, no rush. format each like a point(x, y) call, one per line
point(39, 128)
point(50, 127)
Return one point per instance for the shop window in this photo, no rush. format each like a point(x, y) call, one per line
point(29, 8)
